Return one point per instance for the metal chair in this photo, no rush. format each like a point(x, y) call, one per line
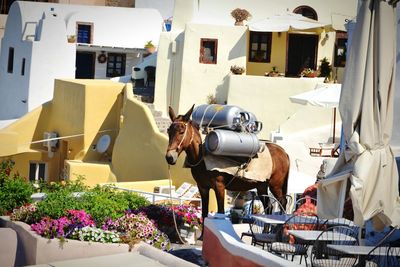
point(287, 244)
point(322, 255)
point(261, 234)
point(390, 257)
point(304, 202)
point(272, 205)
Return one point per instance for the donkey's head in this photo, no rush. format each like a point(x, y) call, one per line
point(180, 135)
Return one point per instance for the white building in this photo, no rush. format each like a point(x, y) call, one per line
point(37, 48)
point(185, 77)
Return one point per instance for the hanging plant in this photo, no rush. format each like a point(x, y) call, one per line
point(102, 58)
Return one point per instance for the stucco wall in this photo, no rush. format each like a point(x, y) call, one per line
point(272, 105)
point(200, 80)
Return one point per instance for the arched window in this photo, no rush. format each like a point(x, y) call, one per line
point(306, 11)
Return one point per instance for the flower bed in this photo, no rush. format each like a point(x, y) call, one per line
point(100, 215)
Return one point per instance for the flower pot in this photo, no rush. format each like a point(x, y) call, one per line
point(151, 49)
point(189, 234)
point(239, 23)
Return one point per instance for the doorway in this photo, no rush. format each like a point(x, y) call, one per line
point(302, 53)
point(84, 66)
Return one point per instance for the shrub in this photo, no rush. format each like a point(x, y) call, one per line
point(14, 192)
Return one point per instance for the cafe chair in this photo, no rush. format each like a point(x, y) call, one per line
point(272, 206)
point(261, 234)
point(384, 254)
point(286, 244)
point(323, 256)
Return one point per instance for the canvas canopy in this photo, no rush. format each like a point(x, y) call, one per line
point(286, 22)
point(366, 107)
point(325, 95)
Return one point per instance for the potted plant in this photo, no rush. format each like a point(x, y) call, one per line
point(240, 15)
point(71, 38)
point(325, 68)
point(273, 73)
point(150, 47)
point(237, 69)
point(307, 72)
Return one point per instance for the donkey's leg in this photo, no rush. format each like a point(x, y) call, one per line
point(220, 193)
point(204, 193)
point(262, 189)
point(276, 186)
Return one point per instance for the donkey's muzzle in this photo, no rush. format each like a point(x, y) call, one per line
point(171, 157)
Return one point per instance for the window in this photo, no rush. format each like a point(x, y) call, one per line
point(260, 47)
point(115, 65)
point(23, 67)
point(10, 65)
point(37, 171)
point(84, 33)
point(306, 11)
point(208, 51)
point(340, 49)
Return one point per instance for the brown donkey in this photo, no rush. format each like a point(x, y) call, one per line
point(184, 135)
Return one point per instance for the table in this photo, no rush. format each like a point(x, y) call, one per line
point(272, 218)
point(312, 235)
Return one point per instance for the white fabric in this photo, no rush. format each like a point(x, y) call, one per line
point(366, 107)
point(284, 23)
point(325, 95)
point(259, 169)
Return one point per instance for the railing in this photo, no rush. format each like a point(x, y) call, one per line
point(152, 196)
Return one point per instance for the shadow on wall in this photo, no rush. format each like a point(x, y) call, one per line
point(239, 49)
point(221, 92)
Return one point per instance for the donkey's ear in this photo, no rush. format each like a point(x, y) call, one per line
point(171, 113)
point(186, 117)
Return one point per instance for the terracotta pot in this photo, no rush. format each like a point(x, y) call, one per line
point(239, 23)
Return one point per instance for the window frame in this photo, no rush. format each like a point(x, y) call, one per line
point(37, 170)
point(91, 25)
point(10, 62)
point(202, 58)
point(300, 9)
point(338, 60)
point(258, 36)
point(114, 62)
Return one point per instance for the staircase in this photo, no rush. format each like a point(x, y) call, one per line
point(161, 122)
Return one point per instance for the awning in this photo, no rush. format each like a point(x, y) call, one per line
point(286, 22)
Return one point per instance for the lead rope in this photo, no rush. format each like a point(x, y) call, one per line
point(172, 205)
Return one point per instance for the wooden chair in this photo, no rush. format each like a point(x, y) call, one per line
point(286, 244)
point(321, 255)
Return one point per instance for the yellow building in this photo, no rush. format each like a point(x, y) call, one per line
point(82, 112)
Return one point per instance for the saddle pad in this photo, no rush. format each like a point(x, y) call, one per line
point(259, 169)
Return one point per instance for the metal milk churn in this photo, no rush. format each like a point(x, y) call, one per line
point(230, 143)
point(225, 116)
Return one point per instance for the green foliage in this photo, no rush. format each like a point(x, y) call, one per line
point(15, 191)
point(325, 68)
point(100, 202)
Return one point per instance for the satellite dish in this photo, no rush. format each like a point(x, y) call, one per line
point(103, 143)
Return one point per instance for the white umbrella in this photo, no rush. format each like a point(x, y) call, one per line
point(366, 107)
point(325, 95)
point(284, 23)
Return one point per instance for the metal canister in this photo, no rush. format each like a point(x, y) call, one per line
point(224, 116)
point(230, 143)
point(250, 123)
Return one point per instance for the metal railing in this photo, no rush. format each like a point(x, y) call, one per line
point(152, 196)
